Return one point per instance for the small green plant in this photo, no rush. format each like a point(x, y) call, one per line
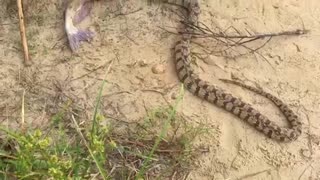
point(155, 148)
point(33, 157)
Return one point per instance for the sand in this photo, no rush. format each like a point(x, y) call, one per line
point(131, 36)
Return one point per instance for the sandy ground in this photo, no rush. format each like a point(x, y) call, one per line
point(130, 35)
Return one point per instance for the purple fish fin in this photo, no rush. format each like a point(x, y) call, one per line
point(81, 35)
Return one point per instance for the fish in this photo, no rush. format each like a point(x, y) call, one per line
point(76, 11)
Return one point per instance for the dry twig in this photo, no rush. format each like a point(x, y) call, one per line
point(27, 60)
point(203, 30)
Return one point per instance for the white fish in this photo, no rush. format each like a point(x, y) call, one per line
point(76, 11)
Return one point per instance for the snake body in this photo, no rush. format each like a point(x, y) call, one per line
point(220, 98)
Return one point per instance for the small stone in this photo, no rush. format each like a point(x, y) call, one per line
point(142, 63)
point(174, 96)
point(236, 164)
point(158, 69)
point(306, 153)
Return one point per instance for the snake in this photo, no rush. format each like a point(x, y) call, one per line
point(223, 99)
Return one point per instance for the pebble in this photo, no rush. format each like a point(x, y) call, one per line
point(158, 69)
point(306, 153)
point(174, 96)
point(142, 63)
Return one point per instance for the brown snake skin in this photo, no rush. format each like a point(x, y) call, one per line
point(225, 100)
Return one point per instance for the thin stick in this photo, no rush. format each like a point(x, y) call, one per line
point(23, 127)
point(253, 174)
point(27, 60)
point(207, 32)
point(22, 108)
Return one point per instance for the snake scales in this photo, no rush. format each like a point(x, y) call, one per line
point(225, 100)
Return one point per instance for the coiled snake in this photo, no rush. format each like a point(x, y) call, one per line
point(225, 100)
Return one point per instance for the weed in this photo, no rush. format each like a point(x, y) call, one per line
point(99, 151)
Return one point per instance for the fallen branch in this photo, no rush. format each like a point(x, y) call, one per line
point(205, 31)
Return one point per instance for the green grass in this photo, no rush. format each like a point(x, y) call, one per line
point(157, 147)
